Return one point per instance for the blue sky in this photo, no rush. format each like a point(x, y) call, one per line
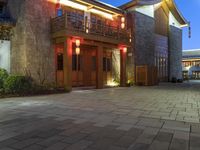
point(191, 11)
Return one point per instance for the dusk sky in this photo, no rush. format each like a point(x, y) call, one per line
point(191, 11)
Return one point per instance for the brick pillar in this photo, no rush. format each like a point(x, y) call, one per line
point(123, 68)
point(99, 72)
point(68, 64)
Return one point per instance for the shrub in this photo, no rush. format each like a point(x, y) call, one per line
point(18, 84)
point(3, 77)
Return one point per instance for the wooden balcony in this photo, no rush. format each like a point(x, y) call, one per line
point(71, 26)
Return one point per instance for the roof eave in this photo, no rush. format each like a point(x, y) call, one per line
point(178, 15)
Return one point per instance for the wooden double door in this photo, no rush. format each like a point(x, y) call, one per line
point(84, 67)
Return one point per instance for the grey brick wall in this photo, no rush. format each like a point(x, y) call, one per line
point(161, 52)
point(31, 49)
point(175, 52)
point(144, 45)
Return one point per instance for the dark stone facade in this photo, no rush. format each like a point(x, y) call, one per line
point(144, 34)
point(161, 56)
point(31, 45)
point(175, 52)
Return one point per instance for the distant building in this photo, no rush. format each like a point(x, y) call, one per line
point(191, 64)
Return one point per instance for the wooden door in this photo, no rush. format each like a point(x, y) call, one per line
point(107, 66)
point(89, 68)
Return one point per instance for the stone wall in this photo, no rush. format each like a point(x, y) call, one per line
point(161, 56)
point(144, 44)
point(175, 52)
point(31, 46)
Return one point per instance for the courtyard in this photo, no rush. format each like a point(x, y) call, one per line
point(136, 118)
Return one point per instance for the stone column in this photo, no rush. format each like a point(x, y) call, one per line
point(123, 68)
point(99, 75)
point(175, 53)
point(68, 64)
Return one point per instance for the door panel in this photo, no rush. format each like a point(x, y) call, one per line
point(107, 66)
point(87, 73)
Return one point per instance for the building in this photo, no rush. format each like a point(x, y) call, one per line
point(74, 43)
point(157, 30)
point(191, 64)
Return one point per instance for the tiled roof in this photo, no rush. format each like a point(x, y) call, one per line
point(191, 53)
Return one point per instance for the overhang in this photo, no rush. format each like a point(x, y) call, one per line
point(170, 3)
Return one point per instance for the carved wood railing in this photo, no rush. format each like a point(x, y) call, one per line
point(67, 22)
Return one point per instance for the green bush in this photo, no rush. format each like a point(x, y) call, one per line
point(18, 84)
point(3, 77)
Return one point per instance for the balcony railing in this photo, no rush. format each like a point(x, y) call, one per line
point(71, 23)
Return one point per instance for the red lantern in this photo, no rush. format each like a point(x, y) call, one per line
point(125, 49)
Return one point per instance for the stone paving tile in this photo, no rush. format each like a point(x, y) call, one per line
point(24, 143)
point(34, 147)
point(150, 123)
point(176, 126)
point(58, 146)
point(164, 117)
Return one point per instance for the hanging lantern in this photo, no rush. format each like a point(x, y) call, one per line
point(122, 22)
point(123, 19)
point(125, 49)
point(78, 42)
point(87, 30)
point(123, 25)
point(78, 50)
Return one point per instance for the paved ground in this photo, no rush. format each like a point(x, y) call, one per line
point(165, 117)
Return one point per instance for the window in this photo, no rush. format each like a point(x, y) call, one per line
point(60, 62)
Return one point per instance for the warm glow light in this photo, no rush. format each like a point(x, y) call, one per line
point(112, 83)
point(73, 4)
point(78, 42)
point(84, 8)
point(78, 50)
point(106, 15)
point(123, 25)
point(122, 19)
point(125, 49)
